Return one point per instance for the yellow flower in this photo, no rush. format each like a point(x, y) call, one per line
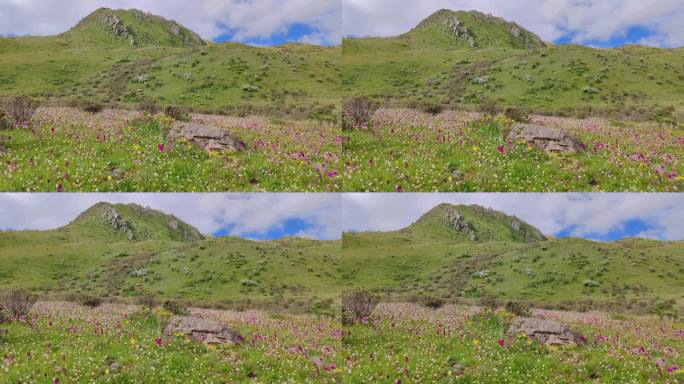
point(109, 178)
point(133, 342)
point(476, 342)
point(136, 147)
point(475, 148)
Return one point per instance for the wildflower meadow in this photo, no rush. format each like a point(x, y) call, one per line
point(404, 150)
point(67, 150)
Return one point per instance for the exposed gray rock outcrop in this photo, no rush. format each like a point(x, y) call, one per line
point(207, 137)
point(545, 331)
point(203, 330)
point(547, 138)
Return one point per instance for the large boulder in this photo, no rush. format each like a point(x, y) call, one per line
point(205, 136)
point(547, 138)
point(203, 330)
point(545, 331)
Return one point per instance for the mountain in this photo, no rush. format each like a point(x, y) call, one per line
point(134, 223)
point(135, 28)
point(470, 251)
point(126, 250)
point(474, 223)
point(461, 60)
point(123, 57)
point(472, 29)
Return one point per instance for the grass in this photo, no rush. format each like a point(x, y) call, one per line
point(86, 258)
point(431, 257)
point(68, 150)
point(405, 150)
point(68, 343)
point(91, 63)
point(407, 344)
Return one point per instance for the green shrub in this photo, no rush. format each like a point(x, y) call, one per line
point(517, 114)
point(176, 307)
point(19, 302)
point(517, 308)
point(5, 120)
point(357, 305)
point(177, 113)
point(665, 116)
point(357, 112)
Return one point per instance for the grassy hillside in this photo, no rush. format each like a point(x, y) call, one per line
point(487, 59)
point(128, 56)
point(93, 256)
point(438, 259)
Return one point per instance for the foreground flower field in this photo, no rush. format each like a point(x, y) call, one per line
point(408, 151)
point(67, 343)
point(406, 343)
point(67, 150)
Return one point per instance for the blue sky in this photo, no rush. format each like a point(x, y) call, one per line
point(598, 23)
point(257, 216)
point(600, 216)
point(259, 22)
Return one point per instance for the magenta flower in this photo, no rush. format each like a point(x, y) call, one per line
point(332, 174)
point(158, 341)
point(501, 343)
point(399, 188)
point(56, 380)
point(501, 149)
point(58, 188)
point(161, 148)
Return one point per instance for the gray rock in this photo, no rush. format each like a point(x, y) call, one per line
point(207, 137)
point(545, 331)
point(115, 367)
point(547, 138)
point(203, 330)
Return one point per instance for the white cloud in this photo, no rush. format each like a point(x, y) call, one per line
point(249, 213)
point(587, 214)
point(248, 19)
point(586, 20)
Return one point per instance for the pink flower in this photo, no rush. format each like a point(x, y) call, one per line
point(55, 380)
point(501, 343)
point(399, 188)
point(158, 341)
point(332, 174)
point(501, 149)
point(59, 188)
point(161, 148)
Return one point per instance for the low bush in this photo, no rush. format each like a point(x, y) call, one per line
point(517, 308)
point(431, 108)
point(90, 301)
point(357, 112)
point(490, 302)
point(432, 302)
point(488, 107)
point(148, 106)
point(19, 302)
point(147, 301)
point(20, 108)
point(357, 305)
point(92, 106)
point(517, 115)
point(177, 113)
point(176, 307)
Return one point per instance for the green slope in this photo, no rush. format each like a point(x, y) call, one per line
point(432, 63)
point(91, 255)
point(148, 57)
point(433, 256)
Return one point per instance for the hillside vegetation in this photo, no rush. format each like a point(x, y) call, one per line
point(127, 56)
point(456, 252)
point(128, 251)
point(463, 59)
